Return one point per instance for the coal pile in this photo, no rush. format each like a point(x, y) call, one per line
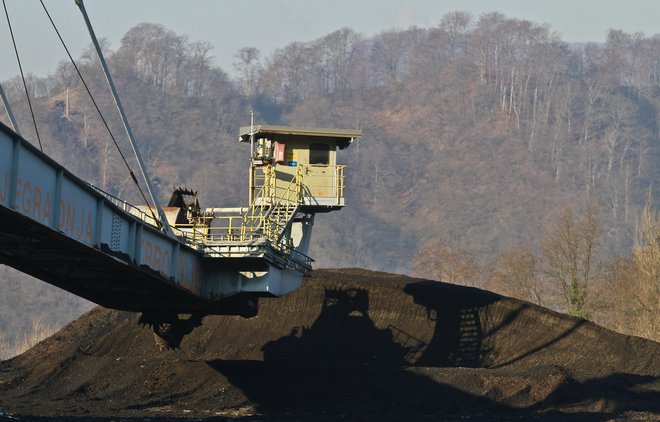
point(351, 344)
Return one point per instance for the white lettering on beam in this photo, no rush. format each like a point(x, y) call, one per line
point(31, 201)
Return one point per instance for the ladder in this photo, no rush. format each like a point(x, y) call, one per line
point(273, 208)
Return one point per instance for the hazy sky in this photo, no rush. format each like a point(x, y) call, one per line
point(269, 24)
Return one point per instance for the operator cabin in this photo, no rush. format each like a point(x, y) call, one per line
point(312, 151)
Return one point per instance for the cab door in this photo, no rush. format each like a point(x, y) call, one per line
point(319, 175)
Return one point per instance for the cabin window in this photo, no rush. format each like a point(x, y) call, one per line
point(319, 154)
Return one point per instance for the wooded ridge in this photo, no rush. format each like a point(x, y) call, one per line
point(481, 133)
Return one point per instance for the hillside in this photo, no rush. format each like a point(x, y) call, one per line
point(478, 131)
point(351, 344)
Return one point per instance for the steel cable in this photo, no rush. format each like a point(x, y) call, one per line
point(98, 110)
point(20, 67)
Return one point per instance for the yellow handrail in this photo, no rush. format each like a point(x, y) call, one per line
point(283, 206)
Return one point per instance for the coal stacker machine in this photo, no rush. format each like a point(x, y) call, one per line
point(178, 263)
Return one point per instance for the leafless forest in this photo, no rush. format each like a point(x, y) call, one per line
point(494, 154)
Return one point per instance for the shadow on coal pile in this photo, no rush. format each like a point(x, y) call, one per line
point(469, 326)
point(458, 335)
point(455, 352)
point(344, 366)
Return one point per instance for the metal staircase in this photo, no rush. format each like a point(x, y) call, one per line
point(272, 208)
point(279, 220)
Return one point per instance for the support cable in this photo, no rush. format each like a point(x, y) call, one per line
point(98, 110)
point(115, 96)
point(20, 67)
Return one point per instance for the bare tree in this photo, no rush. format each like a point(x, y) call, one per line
point(155, 52)
point(388, 50)
point(647, 257)
point(249, 67)
point(336, 57)
point(286, 76)
point(448, 263)
point(569, 253)
point(516, 274)
point(66, 75)
point(455, 24)
point(199, 64)
point(630, 296)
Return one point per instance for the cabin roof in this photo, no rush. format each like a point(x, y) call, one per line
point(343, 137)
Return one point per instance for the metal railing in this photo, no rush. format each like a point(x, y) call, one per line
point(283, 206)
point(134, 210)
point(266, 217)
point(211, 229)
point(254, 217)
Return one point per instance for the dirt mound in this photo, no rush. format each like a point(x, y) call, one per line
point(350, 344)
